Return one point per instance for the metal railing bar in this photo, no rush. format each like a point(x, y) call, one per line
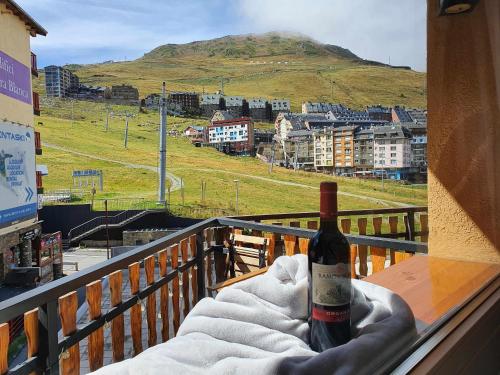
point(87, 328)
point(394, 244)
point(298, 215)
point(30, 365)
point(21, 303)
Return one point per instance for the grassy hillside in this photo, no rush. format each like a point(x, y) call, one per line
point(269, 65)
point(79, 144)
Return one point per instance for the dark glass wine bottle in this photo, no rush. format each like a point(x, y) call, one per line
point(329, 277)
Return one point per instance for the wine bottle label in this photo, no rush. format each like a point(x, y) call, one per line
point(331, 284)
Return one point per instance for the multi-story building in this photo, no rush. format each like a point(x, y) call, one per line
point(20, 229)
point(60, 82)
point(286, 122)
point(278, 106)
point(298, 150)
point(124, 92)
point(418, 115)
point(323, 150)
point(234, 104)
point(234, 137)
point(209, 103)
point(378, 112)
point(257, 109)
point(418, 144)
point(363, 149)
point(392, 150)
point(343, 145)
point(221, 115)
point(189, 101)
point(399, 114)
point(348, 116)
point(308, 107)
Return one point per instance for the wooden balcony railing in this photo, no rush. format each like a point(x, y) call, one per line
point(38, 144)
point(180, 284)
point(39, 182)
point(34, 67)
point(36, 104)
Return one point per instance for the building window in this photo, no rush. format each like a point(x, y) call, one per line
point(393, 155)
point(393, 148)
point(393, 162)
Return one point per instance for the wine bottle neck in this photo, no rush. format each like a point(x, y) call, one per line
point(328, 224)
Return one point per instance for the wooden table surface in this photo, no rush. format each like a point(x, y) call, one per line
point(432, 286)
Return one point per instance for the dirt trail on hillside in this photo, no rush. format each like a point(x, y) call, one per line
point(176, 181)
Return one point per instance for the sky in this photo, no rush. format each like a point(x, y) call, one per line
point(89, 31)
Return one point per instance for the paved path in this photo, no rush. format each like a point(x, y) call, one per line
point(176, 181)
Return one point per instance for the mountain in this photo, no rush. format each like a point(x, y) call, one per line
point(271, 65)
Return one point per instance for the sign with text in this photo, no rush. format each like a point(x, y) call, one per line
point(15, 79)
point(18, 197)
point(87, 173)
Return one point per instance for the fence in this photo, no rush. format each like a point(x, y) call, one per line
point(181, 285)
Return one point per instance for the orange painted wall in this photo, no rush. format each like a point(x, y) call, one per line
point(464, 132)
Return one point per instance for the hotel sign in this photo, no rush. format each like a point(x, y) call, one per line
point(15, 79)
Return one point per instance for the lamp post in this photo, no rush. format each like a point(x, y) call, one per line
point(237, 182)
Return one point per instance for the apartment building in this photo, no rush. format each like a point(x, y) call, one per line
point(278, 106)
point(20, 229)
point(378, 112)
point(124, 92)
point(418, 115)
point(257, 109)
point(60, 82)
point(363, 149)
point(392, 147)
point(418, 144)
point(343, 145)
point(234, 136)
point(323, 150)
point(188, 101)
point(209, 103)
point(309, 107)
point(234, 104)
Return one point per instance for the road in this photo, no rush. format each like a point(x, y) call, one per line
point(176, 181)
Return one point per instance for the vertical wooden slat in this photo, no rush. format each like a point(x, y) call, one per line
point(31, 331)
point(290, 244)
point(96, 339)
point(312, 224)
point(162, 262)
point(271, 248)
point(4, 347)
point(363, 249)
point(393, 227)
point(185, 277)
point(277, 223)
point(424, 227)
point(174, 261)
point(117, 324)
point(346, 228)
point(208, 243)
point(135, 311)
point(194, 272)
point(149, 266)
point(378, 254)
point(303, 245)
point(295, 224)
point(70, 361)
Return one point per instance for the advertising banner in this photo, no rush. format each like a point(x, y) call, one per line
point(15, 79)
point(18, 198)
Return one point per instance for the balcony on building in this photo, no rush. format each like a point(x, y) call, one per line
point(36, 103)
point(34, 67)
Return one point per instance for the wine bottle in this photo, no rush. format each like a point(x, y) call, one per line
point(329, 277)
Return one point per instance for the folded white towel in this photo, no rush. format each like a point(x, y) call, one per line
point(259, 326)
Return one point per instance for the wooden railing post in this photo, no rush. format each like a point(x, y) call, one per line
point(70, 359)
point(424, 227)
point(271, 255)
point(31, 331)
point(346, 228)
point(393, 226)
point(312, 224)
point(185, 277)
point(207, 244)
point(149, 266)
point(363, 249)
point(118, 323)
point(162, 264)
point(95, 345)
point(410, 225)
point(174, 261)
point(378, 254)
point(4, 347)
point(136, 310)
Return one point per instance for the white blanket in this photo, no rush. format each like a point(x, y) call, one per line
point(259, 326)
